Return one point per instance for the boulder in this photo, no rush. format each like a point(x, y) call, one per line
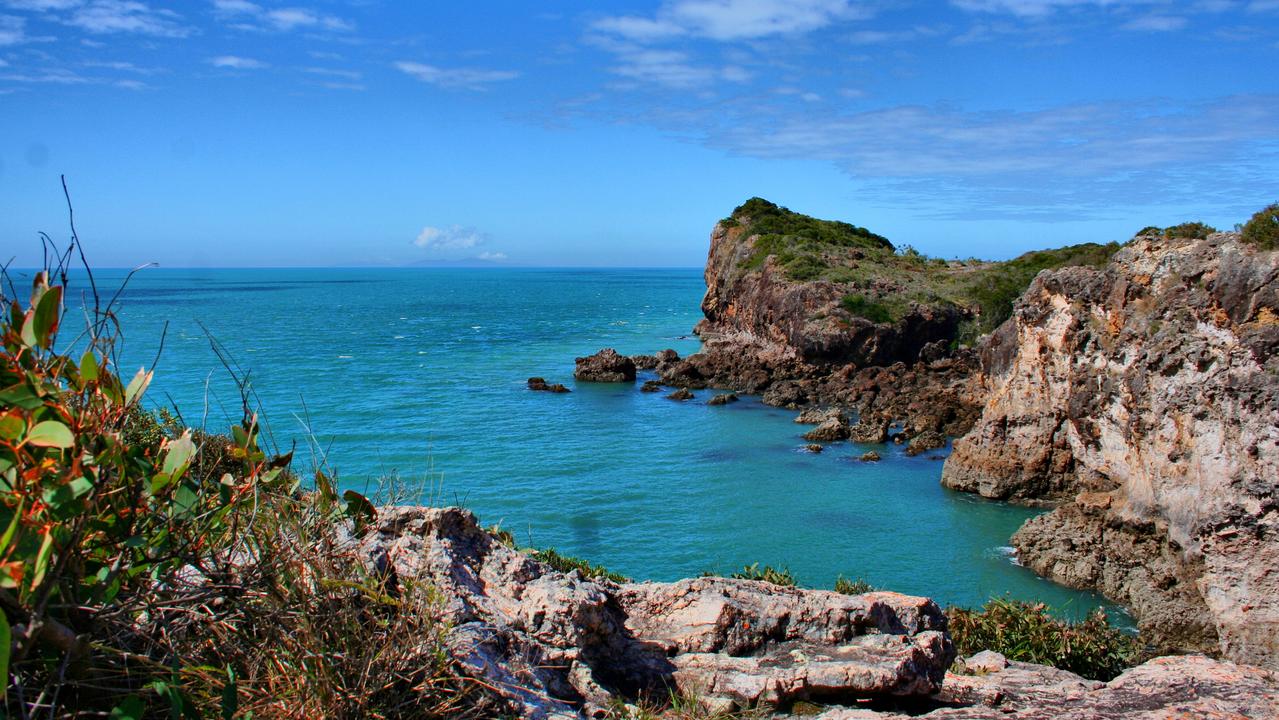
point(559, 645)
point(924, 441)
point(540, 385)
point(682, 394)
point(870, 456)
point(651, 386)
point(723, 399)
point(869, 431)
point(605, 366)
point(835, 427)
point(814, 448)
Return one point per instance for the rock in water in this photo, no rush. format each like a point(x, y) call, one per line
point(651, 386)
point(540, 385)
point(723, 399)
point(1145, 397)
point(924, 441)
point(681, 395)
point(834, 427)
point(605, 366)
point(870, 456)
point(559, 645)
point(814, 448)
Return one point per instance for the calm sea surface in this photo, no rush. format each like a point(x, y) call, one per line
point(419, 373)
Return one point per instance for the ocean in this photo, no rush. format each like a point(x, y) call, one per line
point(414, 380)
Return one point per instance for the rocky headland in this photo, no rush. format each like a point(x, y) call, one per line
point(1142, 399)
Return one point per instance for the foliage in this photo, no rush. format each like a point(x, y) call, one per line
point(568, 563)
point(995, 289)
point(1149, 230)
point(1023, 631)
point(767, 218)
point(768, 574)
point(1190, 230)
point(1262, 229)
point(873, 311)
point(155, 569)
point(852, 587)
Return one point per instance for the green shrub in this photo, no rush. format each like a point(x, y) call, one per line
point(150, 569)
point(805, 267)
point(568, 563)
point(1189, 230)
point(859, 306)
point(768, 574)
point(996, 288)
point(1262, 229)
point(1026, 632)
point(1149, 230)
point(852, 587)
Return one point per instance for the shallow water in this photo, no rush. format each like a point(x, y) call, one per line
point(419, 373)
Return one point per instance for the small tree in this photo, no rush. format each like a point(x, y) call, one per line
point(1262, 229)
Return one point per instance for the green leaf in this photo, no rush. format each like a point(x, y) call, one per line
point(29, 329)
point(359, 509)
point(131, 708)
point(184, 500)
point(137, 386)
point(13, 526)
point(46, 316)
point(89, 366)
point(179, 454)
point(42, 559)
point(324, 486)
point(6, 642)
point(230, 695)
point(50, 433)
point(64, 494)
point(12, 427)
point(21, 395)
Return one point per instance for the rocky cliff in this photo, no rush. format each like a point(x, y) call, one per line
point(1144, 399)
point(550, 644)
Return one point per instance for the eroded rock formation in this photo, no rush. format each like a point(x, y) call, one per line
point(1145, 397)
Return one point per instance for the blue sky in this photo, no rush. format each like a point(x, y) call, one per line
point(231, 133)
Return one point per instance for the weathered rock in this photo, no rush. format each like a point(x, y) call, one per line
point(723, 399)
point(816, 416)
point(651, 386)
point(1146, 396)
point(868, 430)
point(682, 394)
point(814, 448)
point(605, 366)
point(870, 456)
point(540, 385)
point(554, 644)
point(644, 362)
point(925, 441)
point(834, 427)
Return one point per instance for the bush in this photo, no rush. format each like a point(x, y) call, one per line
point(1189, 230)
point(568, 563)
point(996, 289)
point(1023, 631)
point(852, 587)
point(150, 569)
point(1262, 229)
point(768, 574)
point(859, 306)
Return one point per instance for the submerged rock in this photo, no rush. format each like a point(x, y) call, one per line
point(870, 456)
point(605, 366)
point(723, 399)
point(651, 386)
point(540, 385)
point(814, 448)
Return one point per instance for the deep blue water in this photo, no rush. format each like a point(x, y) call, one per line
point(420, 374)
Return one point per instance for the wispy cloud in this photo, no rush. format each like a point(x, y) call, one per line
point(1156, 23)
point(127, 16)
point(730, 19)
point(454, 237)
point(1042, 8)
point(12, 30)
point(455, 78)
point(235, 62)
point(250, 16)
point(491, 256)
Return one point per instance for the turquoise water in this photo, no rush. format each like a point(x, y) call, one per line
point(420, 374)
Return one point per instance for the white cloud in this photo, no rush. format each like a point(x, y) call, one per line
point(455, 78)
point(1040, 8)
point(12, 30)
point(43, 5)
point(334, 72)
point(491, 256)
point(235, 62)
point(127, 16)
point(279, 19)
point(1155, 23)
point(729, 20)
point(454, 237)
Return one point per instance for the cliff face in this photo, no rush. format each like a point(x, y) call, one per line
point(1145, 396)
point(761, 304)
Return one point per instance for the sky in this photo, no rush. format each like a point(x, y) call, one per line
point(362, 132)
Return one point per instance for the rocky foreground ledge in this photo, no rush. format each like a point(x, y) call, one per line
point(560, 645)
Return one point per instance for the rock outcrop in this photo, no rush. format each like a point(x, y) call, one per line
point(1145, 397)
point(561, 645)
point(605, 366)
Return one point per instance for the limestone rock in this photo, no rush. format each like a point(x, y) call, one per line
point(605, 366)
point(554, 645)
point(1152, 383)
point(834, 427)
point(925, 441)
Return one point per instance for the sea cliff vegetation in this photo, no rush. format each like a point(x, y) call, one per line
point(883, 280)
